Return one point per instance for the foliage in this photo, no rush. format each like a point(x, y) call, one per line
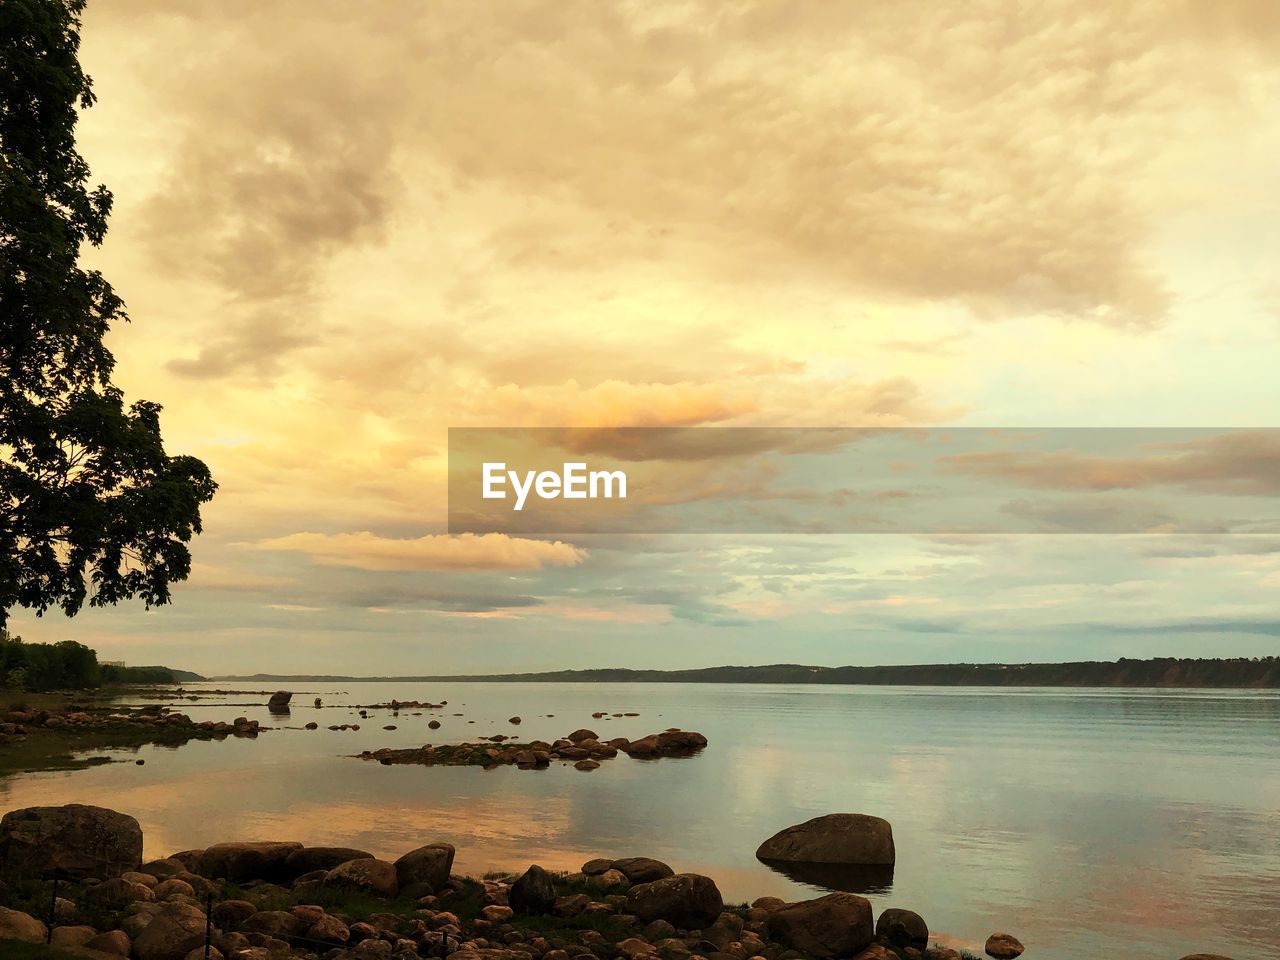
point(47, 666)
point(65, 666)
point(91, 506)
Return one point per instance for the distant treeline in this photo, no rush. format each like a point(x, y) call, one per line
point(1256, 672)
point(66, 666)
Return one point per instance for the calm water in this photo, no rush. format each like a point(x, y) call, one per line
point(1126, 823)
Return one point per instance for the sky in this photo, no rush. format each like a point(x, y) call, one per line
point(342, 229)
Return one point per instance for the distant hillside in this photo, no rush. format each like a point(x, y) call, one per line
point(1260, 673)
point(151, 674)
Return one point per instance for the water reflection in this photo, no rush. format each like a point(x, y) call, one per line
point(1142, 824)
point(836, 877)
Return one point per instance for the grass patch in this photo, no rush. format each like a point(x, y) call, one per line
point(17, 950)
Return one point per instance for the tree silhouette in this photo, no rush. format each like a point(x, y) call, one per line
point(91, 506)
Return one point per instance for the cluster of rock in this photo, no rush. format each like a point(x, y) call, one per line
point(405, 705)
point(19, 723)
point(633, 908)
point(582, 748)
point(168, 906)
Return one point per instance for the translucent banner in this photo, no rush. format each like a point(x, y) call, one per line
point(525, 481)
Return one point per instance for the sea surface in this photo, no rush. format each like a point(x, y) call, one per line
point(1089, 823)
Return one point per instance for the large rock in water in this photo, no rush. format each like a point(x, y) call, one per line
point(74, 840)
point(849, 838)
point(246, 860)
point(280, 698)
point(534, 892)
point(837, 925)
point(174, 931)
point(687, 900)
point(425, 869)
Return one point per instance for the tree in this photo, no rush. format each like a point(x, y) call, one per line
point(91, 506)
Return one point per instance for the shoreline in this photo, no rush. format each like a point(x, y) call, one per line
point(273, 900)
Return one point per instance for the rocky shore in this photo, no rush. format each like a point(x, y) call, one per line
point(281, 900)
point(582, 748)
point(155, 723)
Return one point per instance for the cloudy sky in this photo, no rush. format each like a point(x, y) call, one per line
point(343, 228)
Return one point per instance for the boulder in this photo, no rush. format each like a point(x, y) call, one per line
point(844, 838)
point(310, 859)
point(643, 869)
point(593, 867)
point(280, 924)
point(725, 931)
point(232, 913)
point(1004, 946)
point(902, 928)
point(374, 876)
point(612, 880)
point(533, 892)
point(76, 936)
point(579, 735)
point(686, 900)
point(246, 860)
point(163, 869)
point(571, 905)
point(426, 868)
point(280, 698)
point(878, 952)
point(175, 930)
point(837, 925)
point(669, 743)
point(329, 929)
point(16, 925)
point(173, 887)
point(119, 890)
point(113, 941)
point(74, 839)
